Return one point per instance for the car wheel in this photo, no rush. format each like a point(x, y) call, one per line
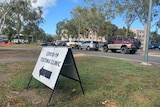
point(79, 47)
point(88, 48)
point(124, 50)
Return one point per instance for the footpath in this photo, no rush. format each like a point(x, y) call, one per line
point(150, 52)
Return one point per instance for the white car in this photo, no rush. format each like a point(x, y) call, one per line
point(74, 44)
point(89, 45)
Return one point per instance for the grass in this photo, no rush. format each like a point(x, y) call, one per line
point(107, 83)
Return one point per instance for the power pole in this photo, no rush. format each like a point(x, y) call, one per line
point(147, 33)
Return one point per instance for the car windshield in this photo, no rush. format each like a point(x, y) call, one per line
point(95, 42)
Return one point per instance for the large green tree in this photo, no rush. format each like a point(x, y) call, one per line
point(125, 9)
point(19, 14)
point(60, 26)
point(81, 20)
point(4, 10)
point(155, 37)
point(87, 20)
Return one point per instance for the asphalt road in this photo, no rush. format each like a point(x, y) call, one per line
point(153, 55)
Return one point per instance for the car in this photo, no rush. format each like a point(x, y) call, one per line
point(124, 44)
point(3, 41)
point(153, 45)
point(159, 47)
point(61, 43)
point(44, 43)
point(101, 43)
point(74, 44)
point(89, 45)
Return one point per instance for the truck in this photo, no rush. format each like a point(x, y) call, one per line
point(126, 45)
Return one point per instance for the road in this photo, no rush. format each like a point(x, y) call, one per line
point(153, 55)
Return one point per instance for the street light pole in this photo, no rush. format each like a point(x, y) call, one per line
point(148, 33)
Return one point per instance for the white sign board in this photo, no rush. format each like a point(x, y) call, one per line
point(49, 65)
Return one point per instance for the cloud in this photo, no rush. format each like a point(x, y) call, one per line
point(44, 3)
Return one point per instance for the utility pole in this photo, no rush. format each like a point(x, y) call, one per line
point(148, 33)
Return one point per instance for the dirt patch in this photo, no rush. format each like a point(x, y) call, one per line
point(31, 94)
point(18, 53)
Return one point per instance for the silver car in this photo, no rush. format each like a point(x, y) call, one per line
point(90, 45)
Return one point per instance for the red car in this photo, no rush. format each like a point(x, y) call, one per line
point(3, 41)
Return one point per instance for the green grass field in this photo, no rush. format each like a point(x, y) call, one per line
point(107, 82)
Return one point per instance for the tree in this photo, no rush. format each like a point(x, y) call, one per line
point(105, 7)
point(20, 14)
point(4, 10)
point(87, 20)
point(124, 8)
point(81, 20)
point(97, 16)
point(130, 9)
point(155, 38)
point(72, 28)
point(9, 32)
point(141, 10)
point(60, 26)
point(107, 29)
point(122, 31)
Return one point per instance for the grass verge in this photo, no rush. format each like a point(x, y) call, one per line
point(107, 83)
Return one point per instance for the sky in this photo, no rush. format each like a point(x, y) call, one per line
point(58, 10)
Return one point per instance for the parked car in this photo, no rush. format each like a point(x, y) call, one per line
point(153, 45)
point(3, 41)
point(89, 45)
point(125, 45)
point(44, 43)
point(74, 44)
point(101, 43)
point(159, 47)
point(61, 43)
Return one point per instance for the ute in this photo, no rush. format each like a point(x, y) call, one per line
point(125, 45)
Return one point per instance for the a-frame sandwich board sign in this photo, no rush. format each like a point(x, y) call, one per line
point(52, 62)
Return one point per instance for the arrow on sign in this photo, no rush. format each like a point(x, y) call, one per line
point(45, 73)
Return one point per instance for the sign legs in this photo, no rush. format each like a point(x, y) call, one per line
point(29, 82)
point(50, 98)
point(81, 87)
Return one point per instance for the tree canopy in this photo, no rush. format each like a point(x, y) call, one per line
point(20, 17)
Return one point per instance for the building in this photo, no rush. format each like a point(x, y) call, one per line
point(140, 34)
point(91, 36)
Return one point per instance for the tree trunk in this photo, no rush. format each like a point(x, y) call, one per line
point(2, 21)
point(127, 31)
